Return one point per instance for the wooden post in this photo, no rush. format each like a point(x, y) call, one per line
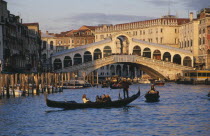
point(1, 85)
point(7, 85)
point(12, 77)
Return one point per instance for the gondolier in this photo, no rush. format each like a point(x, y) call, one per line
point(125, 85)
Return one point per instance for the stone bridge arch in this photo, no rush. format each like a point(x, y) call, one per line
point(155, 68)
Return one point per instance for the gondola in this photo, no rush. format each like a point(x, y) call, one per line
point(115, 86)
point(152, 97)
point(74, 105)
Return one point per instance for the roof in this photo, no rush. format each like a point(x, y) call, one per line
point(31, 24)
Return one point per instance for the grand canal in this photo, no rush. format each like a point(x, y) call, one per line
point(182, 110)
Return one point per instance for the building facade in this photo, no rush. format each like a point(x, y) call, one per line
point(19, 43)
point(195, 36)
point(164, 30)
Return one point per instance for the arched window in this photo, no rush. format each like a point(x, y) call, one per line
point(147, 53)
point(97, 54)
point(167, 56)
point(177, 59)
point(51, 45)
point(67, 61)
point(137, 50)
point(87, 56)
point(77, 59)
point(57, 64)
point(157, 55)
point(107, 51)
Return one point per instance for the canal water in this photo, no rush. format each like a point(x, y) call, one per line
point(183, 110)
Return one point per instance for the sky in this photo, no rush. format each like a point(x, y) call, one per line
point(63, 15)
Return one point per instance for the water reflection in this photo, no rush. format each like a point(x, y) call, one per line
point(182, 110)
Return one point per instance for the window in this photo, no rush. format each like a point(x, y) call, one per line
point(44, 44)
point(51, 47)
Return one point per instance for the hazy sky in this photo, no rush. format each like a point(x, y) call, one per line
point(64, 15)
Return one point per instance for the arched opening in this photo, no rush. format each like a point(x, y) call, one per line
point(87, 56)
point(107, 51)
point(147, 53)
point(122, 45)
point(51, 45)
point(137, 50)
point(157, 55)
point(177, 59)
point(118, 70)
point(77, 59)
point(57, 64)
point(167, 56)
point(125, 70)
point(112, 70)
point(97, 54)
point(67, 61)
point(187, 61)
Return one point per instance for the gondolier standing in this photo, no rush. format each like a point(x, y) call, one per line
point(125, 85)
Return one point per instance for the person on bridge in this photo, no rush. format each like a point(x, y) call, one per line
point(125, 85)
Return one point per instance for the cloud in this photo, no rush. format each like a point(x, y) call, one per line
point(95, 19)
point(197, 4)
point(189, 4)
point(162, 3)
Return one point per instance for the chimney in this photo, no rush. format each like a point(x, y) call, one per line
point(191, 16)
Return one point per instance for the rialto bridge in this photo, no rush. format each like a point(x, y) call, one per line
point(159, 61)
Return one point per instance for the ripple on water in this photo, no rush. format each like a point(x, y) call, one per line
point(182, 110)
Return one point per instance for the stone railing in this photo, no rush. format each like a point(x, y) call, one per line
point(150, 61)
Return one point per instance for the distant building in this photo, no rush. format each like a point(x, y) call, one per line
point(195, 36)
point(52, 43)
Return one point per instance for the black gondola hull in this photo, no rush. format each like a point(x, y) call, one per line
point(71, 105)
point(152, 97)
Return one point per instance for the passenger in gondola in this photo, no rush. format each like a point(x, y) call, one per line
point(85, 99)
point(107, 98)
point(98, 99)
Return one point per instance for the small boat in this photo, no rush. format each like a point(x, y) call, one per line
point(159, 83)
point(76, 84)
point(152, 97)
point(108, 104)
point(144, 81)
point(115, 86)
point(105, 85)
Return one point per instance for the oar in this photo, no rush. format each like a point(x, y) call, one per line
point(143, 94)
